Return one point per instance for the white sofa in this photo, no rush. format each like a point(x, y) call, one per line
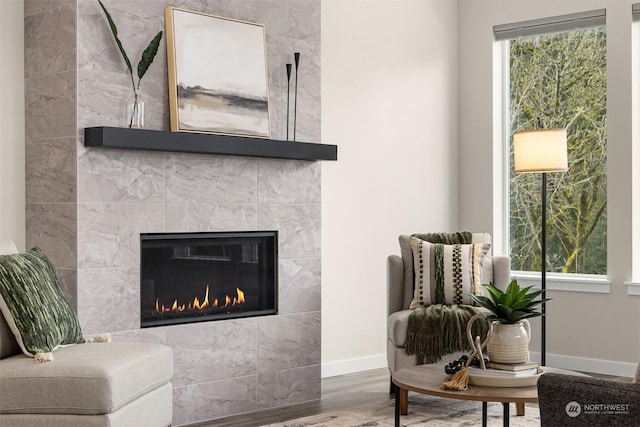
point(112, 384)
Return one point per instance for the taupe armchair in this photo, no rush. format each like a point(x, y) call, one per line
point(400, 287)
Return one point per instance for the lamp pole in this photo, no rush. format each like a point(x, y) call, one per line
point(543, 282)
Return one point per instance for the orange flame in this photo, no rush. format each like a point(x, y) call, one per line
point(240, 298)
point(197, 305)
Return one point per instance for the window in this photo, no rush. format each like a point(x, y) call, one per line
point(633, 286)
point(557, 74)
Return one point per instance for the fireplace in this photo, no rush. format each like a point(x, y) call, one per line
point(194, 277)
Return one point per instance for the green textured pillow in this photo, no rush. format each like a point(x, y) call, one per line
point(34, 306)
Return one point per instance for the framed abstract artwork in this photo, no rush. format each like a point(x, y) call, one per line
point(217, 71)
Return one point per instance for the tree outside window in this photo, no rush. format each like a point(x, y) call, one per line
point(560, 78)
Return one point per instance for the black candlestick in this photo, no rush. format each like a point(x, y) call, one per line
point(288, 84)
point(296, 57)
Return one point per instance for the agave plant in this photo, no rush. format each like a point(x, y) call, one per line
point(512, 305)
point(145, 61)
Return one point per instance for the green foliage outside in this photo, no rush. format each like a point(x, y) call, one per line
point(561, 79)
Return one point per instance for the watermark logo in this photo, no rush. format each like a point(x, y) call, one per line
point(573, 409)
point(606, 408)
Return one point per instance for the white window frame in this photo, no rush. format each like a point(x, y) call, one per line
point(584, 283)
point(633, 285)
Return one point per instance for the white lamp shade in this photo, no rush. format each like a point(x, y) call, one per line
point(540, 150)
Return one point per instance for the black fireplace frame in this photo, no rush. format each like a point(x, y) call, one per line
point(208, 235)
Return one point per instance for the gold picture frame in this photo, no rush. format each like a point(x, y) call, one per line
point(218, 79)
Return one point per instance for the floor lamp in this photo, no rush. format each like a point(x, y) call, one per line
point(541, 151)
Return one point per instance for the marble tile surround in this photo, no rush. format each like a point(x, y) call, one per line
point(87, 207)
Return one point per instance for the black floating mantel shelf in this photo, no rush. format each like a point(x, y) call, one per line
point(155, 140)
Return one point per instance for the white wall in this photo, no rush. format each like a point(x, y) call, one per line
point(389, 101)
point(12, 121)
point(600, 330)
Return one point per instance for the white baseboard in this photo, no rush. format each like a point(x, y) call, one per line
point(350, 366)
point(583, 364)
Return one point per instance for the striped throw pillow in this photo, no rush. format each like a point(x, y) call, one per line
point(33, 304)
point(446, 274)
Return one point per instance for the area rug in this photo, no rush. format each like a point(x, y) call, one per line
point(423, 411)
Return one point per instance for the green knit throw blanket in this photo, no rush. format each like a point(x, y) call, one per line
point(439, 329)
point(461, 237)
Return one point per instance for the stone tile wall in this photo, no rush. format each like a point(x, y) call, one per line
point(51, 134)
point(87, 207)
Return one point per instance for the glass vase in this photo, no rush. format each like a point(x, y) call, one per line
point(135, 113)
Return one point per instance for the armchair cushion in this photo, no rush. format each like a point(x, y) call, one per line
point(33, 304)
point(397, 324)
point(87, 379)
point(446, 274)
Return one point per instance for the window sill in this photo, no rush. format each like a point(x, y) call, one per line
point(587, 283)
point(633, 288)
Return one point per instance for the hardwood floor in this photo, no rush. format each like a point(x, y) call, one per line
point(341, 392)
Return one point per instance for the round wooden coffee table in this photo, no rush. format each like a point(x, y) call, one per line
point(426, 379)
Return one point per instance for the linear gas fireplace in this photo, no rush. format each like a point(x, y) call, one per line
point(194, 277)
